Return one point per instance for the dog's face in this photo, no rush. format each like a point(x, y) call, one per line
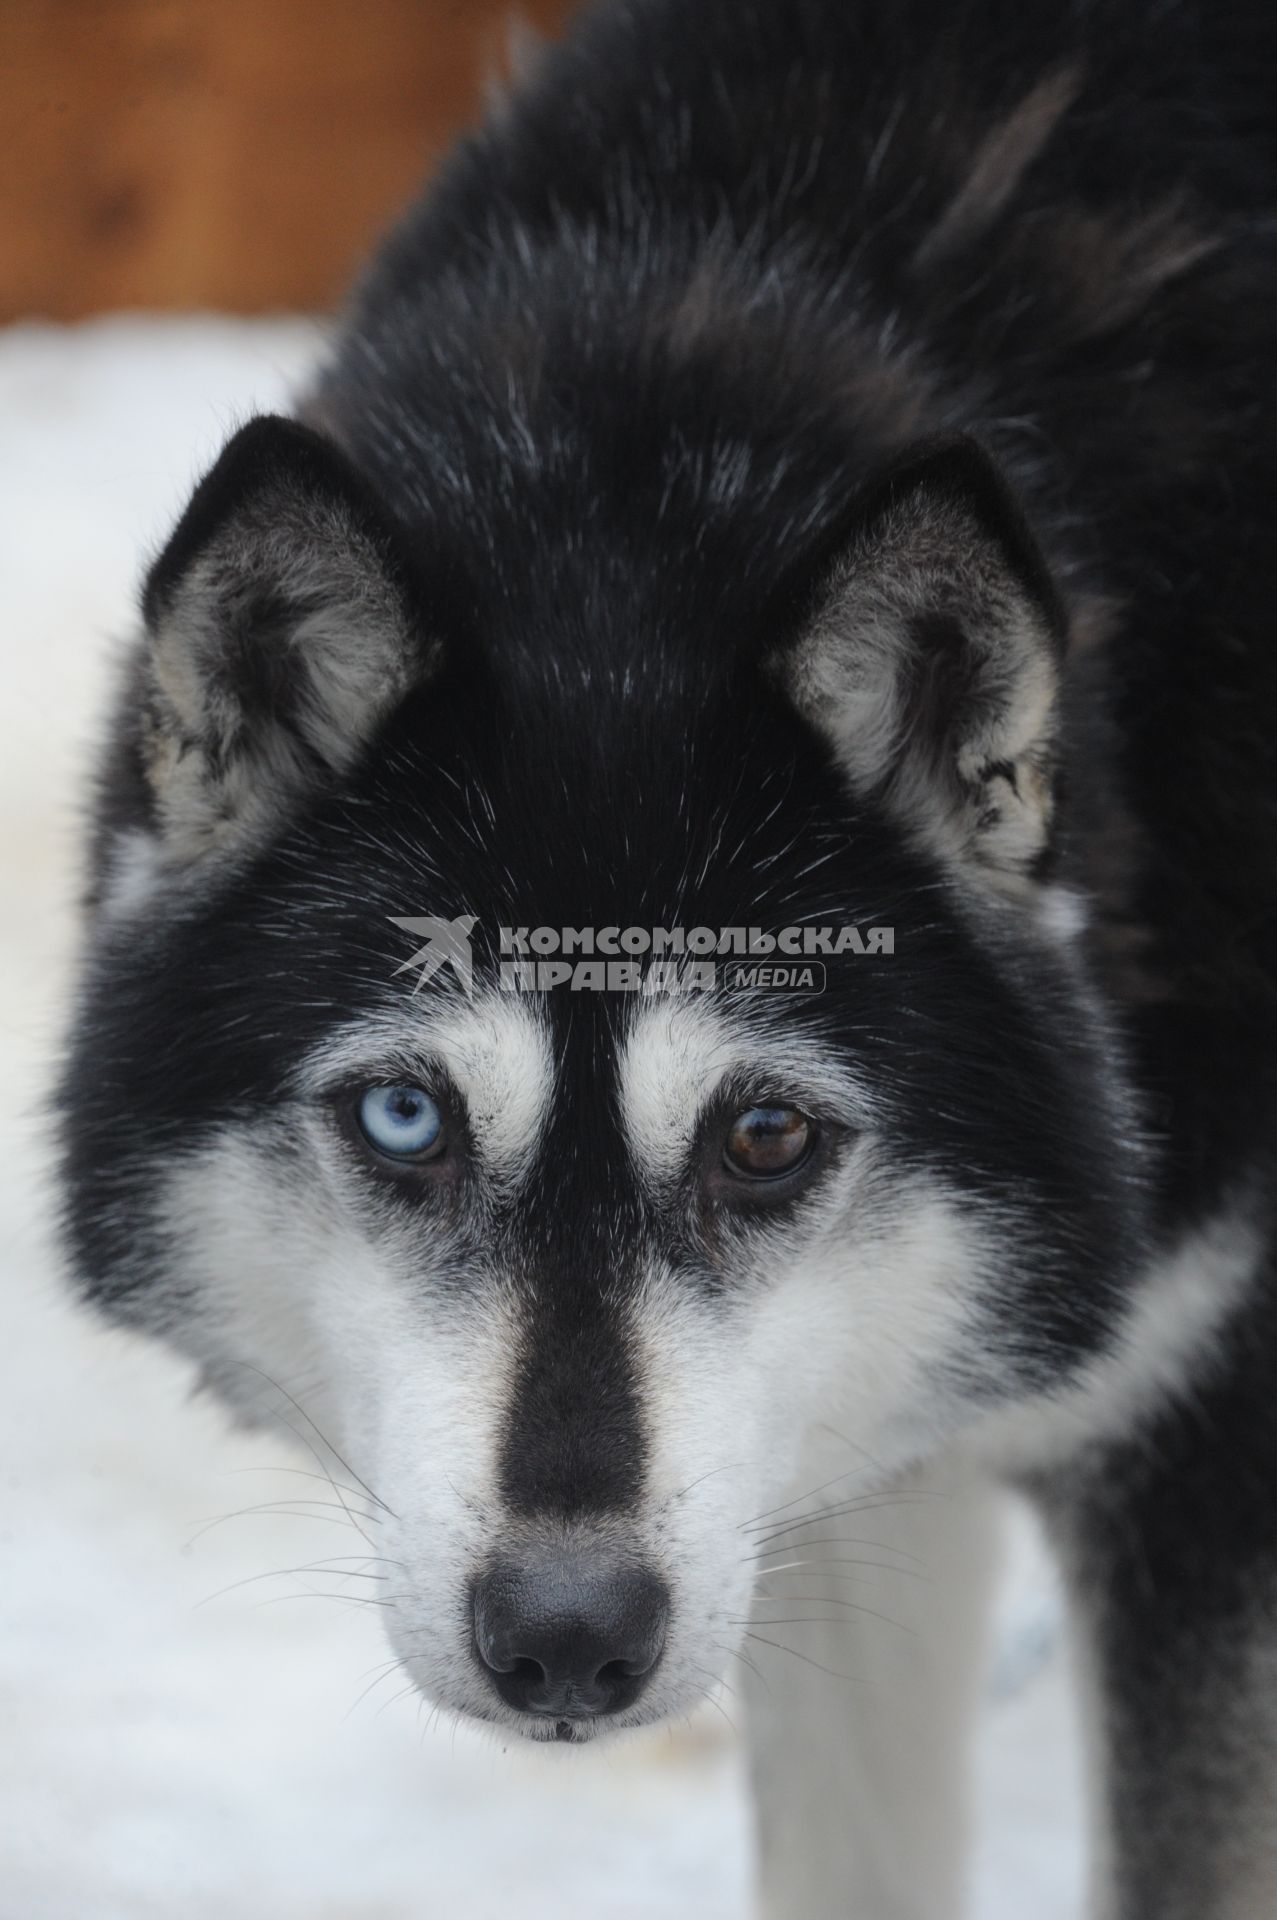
point(574, 1277)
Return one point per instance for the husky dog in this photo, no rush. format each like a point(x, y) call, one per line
point(805, 465)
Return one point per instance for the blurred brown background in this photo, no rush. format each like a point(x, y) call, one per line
point(235, 154)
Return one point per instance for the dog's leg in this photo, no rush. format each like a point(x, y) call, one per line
point(857, 1727)
point(1170, 1547)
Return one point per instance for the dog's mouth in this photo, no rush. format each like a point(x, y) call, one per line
point(567, 1730)
point(546, 1730)
point(580, 1730)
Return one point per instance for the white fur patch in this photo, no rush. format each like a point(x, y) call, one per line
point(135, 871)
point(1177, 1312)
point(313, 1310)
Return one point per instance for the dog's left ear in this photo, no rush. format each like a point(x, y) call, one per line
point(927, 653)
point(283, 623)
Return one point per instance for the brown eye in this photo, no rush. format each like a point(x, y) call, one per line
point(768, 1141)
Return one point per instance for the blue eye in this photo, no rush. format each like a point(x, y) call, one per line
point(403, 1122)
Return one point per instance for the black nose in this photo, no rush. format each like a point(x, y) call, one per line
point(570, 1637)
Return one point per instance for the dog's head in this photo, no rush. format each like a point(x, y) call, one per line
point(573, 1266)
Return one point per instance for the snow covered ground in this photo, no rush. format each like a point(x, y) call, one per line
point(169, 1748)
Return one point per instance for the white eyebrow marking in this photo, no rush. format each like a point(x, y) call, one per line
point(679, 1052)
point(495, 1049)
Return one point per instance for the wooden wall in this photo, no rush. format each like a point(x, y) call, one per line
point(236, 154)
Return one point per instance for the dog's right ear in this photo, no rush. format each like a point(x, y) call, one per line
point(927, 651)
point(283, 624)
